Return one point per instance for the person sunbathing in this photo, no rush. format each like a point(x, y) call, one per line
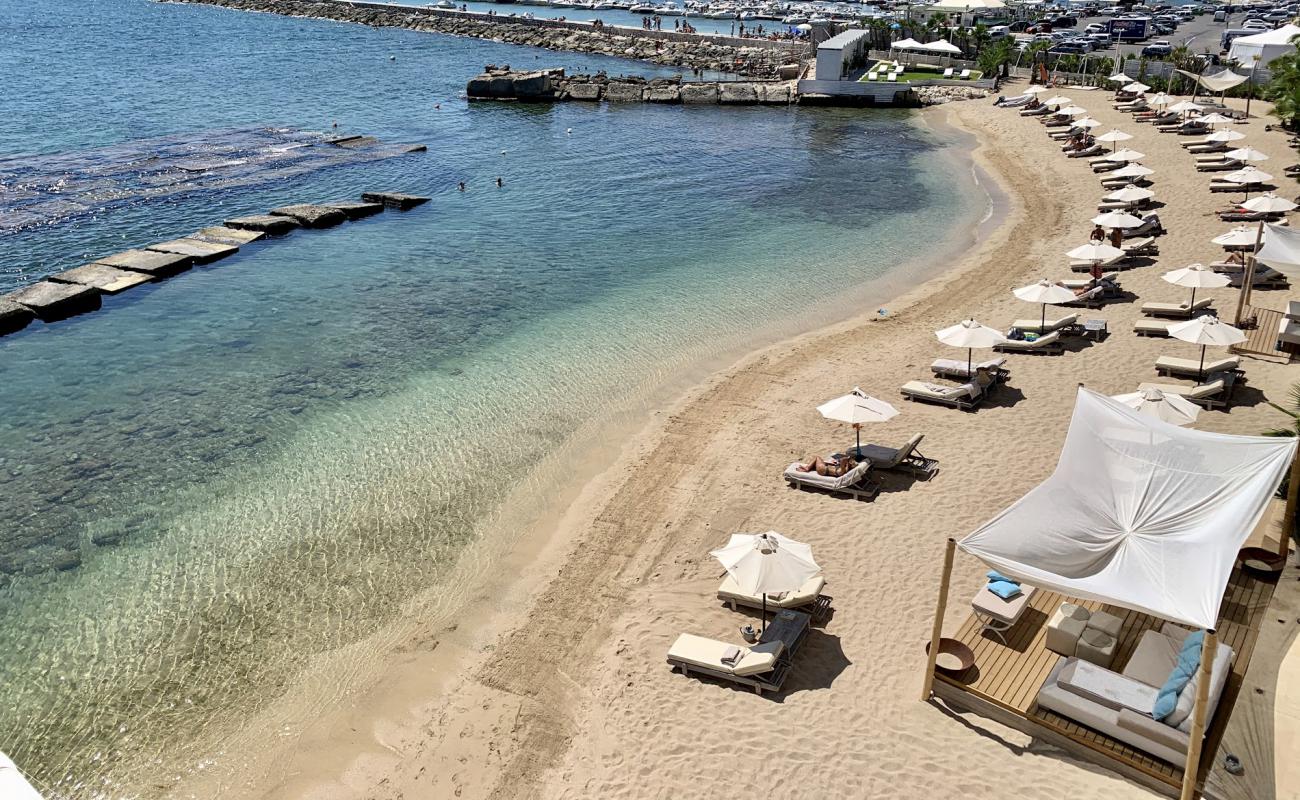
point(831, 468)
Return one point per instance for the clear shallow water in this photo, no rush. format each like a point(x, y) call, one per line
point(218, 476)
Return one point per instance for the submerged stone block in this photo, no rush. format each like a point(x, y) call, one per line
point(585, 91)
point(624, 93)
point(109, 280)
point(266, 223)
point(151, 262)
point(223, 235)
point(311, 216)
point(664, 94)
point(699, 94)
point(394, 199)
point(53, 301)
point(355, 210)
point(13, 316)
point(202, 252)
point(737, 94)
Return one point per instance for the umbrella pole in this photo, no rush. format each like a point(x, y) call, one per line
point(969, 360)
point(1200, 373)
point(764, 626)
point(1192, 304)
point(857, 430)
point(1042, 320)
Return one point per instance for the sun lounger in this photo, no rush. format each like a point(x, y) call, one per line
point(1091, 298)
point(1046, 345)
point(1010, 102)
point(1120, 183)
point(1151, 327)
point(762, 666)
point(1143, 246)
point(965, 75)
point(1090, 151)
point(904, 459)
point(997, 615)
point(1062, 324)
point(966, 396)
point(1105, 165)
point(1229, 186)
point(955, 369)
point(1150, 227)
point(1242, 215)
point(1111, 278)
point(871, 76)
point(1226, 165)
point(1080, 265)
point(1122, 205)
point(810, 594)
point(893, 77)
point(1035, 112)
point(1264, 278)
point(1182, 310)
point(1210, 394)
point(1191, 367)
point(947, 73)
point(854, 483)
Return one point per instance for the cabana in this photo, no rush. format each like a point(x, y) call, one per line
point(1145, 518)
point(1261, 48)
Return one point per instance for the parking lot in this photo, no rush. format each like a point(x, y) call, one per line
point(1202, 34)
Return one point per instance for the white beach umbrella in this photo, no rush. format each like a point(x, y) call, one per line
point(1225, 135)
point(1095, 251)
point(1117, 219)
point(1132, 171)
point(1186, 107)
point(1166, 407)
point(1269, 203)
point(1044, 293)
point(1072, 111)
point(1160, 100)
point(1196, 276)
point(1237, 237)
point(857, 408)
point(1131, 194)
point(1246, 154)
point(1119, 77)
point(1057, 101)
point(1087, 122)
point(767, 563)
point(1114, 137)
point(970, 335)
point(1137, 87)
point(1207, 331)
point(1126, 155)
point(1035, 90)
point(1216, 119)
point(1247, 177)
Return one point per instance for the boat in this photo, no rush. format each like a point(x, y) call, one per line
point(642, 9)
point(794, 19)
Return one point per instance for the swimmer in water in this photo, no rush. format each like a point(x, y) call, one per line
point(461, 186)
point(500, 183)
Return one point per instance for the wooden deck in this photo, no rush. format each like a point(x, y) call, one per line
point(1005, 679)
point(1262, 339)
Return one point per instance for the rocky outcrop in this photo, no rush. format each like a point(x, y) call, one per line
point(687, 51)
point(937, 95)
point(502, 83)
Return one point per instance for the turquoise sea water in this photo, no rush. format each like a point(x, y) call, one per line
point(217, 477)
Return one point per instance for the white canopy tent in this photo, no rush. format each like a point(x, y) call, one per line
point(13, 786)
point(1281, 250)
point(1218, 82)
point(1260, 49)
point(941, 46)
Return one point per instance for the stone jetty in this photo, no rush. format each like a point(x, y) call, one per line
point(750, 57)
point(77, 290)
point(551, 85)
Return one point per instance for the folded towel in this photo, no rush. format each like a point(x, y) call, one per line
point(993, 575)
point(1004, 589)
point(731, 655)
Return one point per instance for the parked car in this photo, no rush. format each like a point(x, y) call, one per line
point(1065, 21)
point(999, 31)
point(1019, 26)
point(1069, 49)
point(1158, 50)
point(1100, 41)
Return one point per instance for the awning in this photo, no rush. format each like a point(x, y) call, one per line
point(1139, 513)
point(1281, 250)
point(1218, 82)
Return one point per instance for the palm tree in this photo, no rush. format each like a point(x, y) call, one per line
point(1284, 88)
point(1293, 429)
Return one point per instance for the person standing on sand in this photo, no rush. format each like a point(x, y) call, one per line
point(1117, 238)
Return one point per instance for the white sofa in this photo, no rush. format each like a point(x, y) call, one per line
point(1119, 704)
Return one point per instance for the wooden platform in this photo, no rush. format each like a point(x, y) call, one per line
point(1005, 679)
point(1262, 339)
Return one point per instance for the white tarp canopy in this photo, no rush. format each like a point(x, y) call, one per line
point(905, 44)
point(1139, 513)
point(1262, 48)
point(1281, 250)
point(1219, 82)
point(967, 5)
point(941, 46)
point(13, 786)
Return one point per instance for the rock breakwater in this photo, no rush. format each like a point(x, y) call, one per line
point(550, 85)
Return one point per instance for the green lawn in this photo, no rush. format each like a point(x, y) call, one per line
point(927, 75)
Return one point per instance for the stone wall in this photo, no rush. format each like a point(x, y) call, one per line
point(937, 95)
point(550, 85)
point(758, 58)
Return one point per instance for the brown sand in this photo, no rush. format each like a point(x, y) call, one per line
point(576, 699)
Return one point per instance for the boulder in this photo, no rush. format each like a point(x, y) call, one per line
point(310, 216)
point(202, 252)
point(664, 94)
point(355, 210)
point(699, 94)
point(150, 262)
point(774, 93)
point(13, 316)
point(109, 280)
point(737, 94)
point(584, 91)
point(265, 223)
point(53, 301)
point(394, 199)
point(532, 85)
point(624, 93)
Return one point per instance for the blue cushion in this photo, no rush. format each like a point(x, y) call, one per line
point(1004, 589)
point(994, 575)
point(1189, 658)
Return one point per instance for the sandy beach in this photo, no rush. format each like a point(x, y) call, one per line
point(558, 687)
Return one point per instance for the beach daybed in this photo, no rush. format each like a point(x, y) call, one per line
point(853, 483)
point(1045, 345)
point(997, 615)
point(1150, 227)
point(1192, 368)
point(1111, 278)
point(1176, 309)
point(1229, 186)
point(947, 73)
point(1090, 151)
point(762, 666)
point(1210, 394)
point(966, 396)
point(904, 459)
point(1223, 165)
point(1064, 324)
point(955, 369)
point(1089, 298)
point(1151, 327)
point(1119, 704)
point(808, 594)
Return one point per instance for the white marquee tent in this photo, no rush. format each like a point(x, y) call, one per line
point(1262, 48)
point(13, 786)
point(1139, 513)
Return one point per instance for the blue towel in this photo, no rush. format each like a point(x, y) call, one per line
point(1004, 589)
point(994, 575)
point(1189, 658)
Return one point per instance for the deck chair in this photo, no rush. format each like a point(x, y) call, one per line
point(966, 396)
point(903, 459)
point(1090, 298)
point(1211, 394)
point(1229, 186)
point(997, 616)
point(1191, 367)
point(1087, 283)
point(1223, 165)
point(1063, 324)
point(1043, 345)
point(1150, 227)
point(854, 483)
point(893, 77)
point(1151, 327)
point(1180, 310)
point(810, 594)
point(965, 75)
point(1090, 151)
point(762, 666)
point(947, 73)
point(955, 369)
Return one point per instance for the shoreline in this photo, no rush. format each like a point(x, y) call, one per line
point(350, 750)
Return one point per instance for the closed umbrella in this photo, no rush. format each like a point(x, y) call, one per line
point(1114, 137)
point(1196, 276)
point(767, 563)
point(1131, 194)
point(857, 408)
point(1044, 292)
point(1166, 407)
point(1117, 219)
point(1126, 155)
point(1225, 135)
point(1246, 154)
point(1207, 331)
point(970, 335)
point(1269, 203)
point(1136, 87)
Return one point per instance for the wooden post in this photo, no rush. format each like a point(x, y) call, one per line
point(1288, 513)
point(1248, 276)
point(1196, 736)
point(937, 631)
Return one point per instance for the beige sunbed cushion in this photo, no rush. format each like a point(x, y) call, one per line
point(1134, 245)
point(707, 653)
point(807, 593)
point(1176, 308)
point(1200, 390)
point(1152, 326)
point(1041, 341)
point(926, 389)
point(1193, 365)
point(849, 478)
point(1008, 611)
point(1052, 324)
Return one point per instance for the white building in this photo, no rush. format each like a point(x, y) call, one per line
point(837, 55)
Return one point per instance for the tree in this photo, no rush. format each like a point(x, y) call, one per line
point(992, 58)
point(1284, 88)
point(1292, 484)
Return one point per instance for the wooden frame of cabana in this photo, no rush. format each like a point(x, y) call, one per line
point(1009, 675)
